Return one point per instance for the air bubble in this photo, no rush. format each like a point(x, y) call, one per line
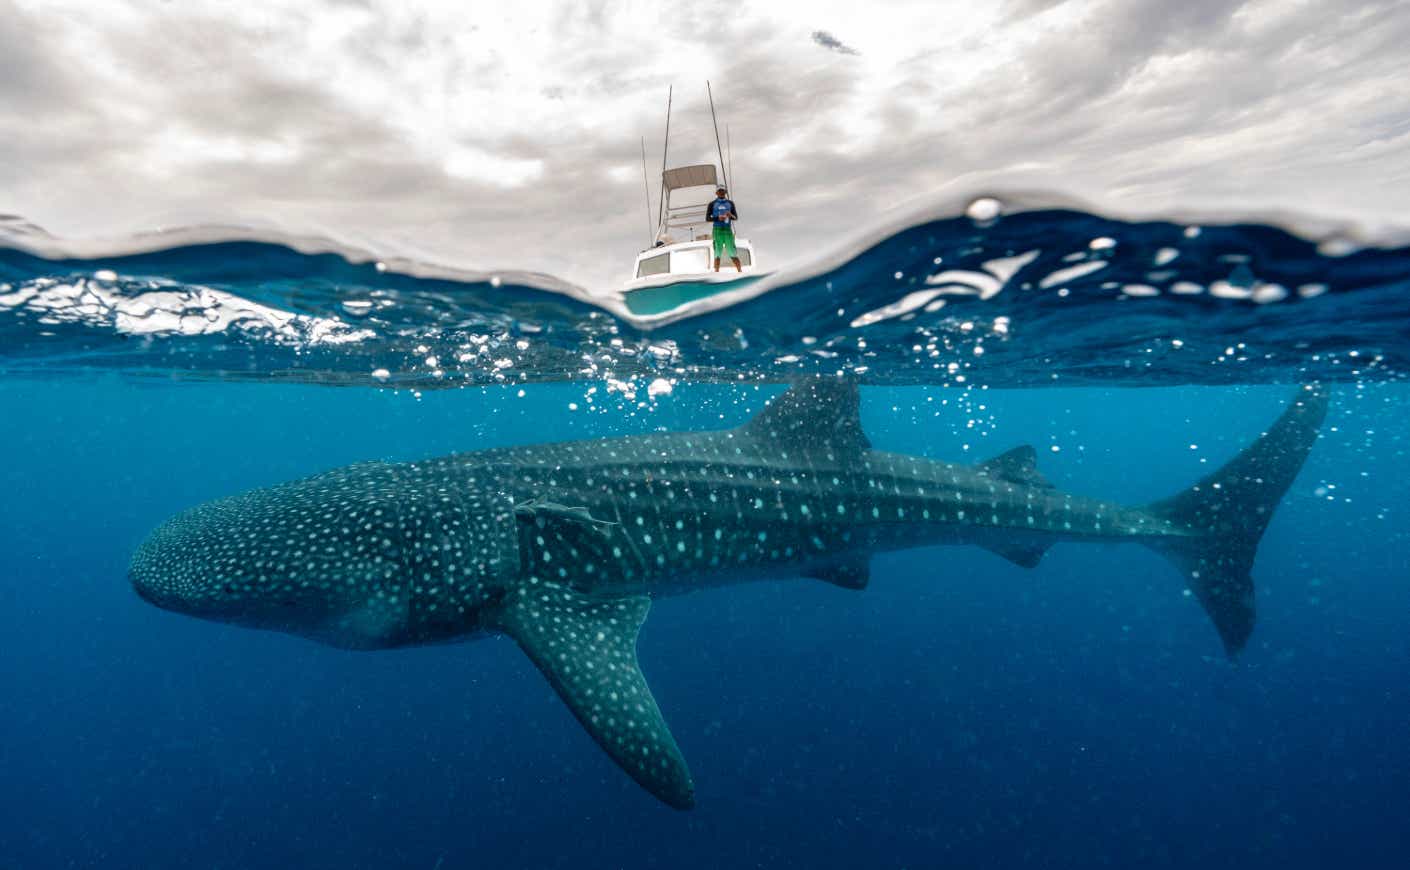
point(986, 208)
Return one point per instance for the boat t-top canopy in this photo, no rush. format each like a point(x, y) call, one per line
point(685, 212)
point(700, 175)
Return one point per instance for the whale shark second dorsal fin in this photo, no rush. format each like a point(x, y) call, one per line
point(1019, 465)
point(586, 646)
point(816, 414)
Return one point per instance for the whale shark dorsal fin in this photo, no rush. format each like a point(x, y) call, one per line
point(816, 414)
point(586, 646)
point(1019, 465)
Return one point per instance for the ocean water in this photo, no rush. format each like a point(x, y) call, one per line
point(960, 711)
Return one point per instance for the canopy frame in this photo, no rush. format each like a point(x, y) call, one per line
point(678, 214)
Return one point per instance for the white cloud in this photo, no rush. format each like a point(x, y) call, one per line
point(462, 132)
point(477, 164)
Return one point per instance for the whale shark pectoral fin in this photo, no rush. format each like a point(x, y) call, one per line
point(818, 414)
point(1019, 465)
point(557, 542)
point(848, 573)
point(1021, 554)
point(586, 647)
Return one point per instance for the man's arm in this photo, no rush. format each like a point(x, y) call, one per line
point(733, 212)
point(709, 208)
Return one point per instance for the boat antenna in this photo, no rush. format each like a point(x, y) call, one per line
point(729, 158)
point(711, 95)
point(646, 185)
point(665, 149)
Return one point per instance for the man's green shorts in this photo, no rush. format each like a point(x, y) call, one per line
point(724, 242)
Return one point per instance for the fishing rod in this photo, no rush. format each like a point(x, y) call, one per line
point(646, 185)
point(665, 149)
point(729, 157)
point(721, 150)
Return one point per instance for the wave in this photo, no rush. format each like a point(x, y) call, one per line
point(982, 289)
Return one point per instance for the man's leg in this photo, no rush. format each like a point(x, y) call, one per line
point(737, 266)
point(726, 246)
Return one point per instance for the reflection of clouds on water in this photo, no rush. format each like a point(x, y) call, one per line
point(1031, 290)
point(169, 309)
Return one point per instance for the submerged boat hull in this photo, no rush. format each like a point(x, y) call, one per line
point(660, 298)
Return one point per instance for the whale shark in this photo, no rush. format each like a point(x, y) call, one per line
point(563, 546)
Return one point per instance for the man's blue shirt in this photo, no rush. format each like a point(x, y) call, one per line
point(720, 210)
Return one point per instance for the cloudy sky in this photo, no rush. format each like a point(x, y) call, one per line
point(511, 138)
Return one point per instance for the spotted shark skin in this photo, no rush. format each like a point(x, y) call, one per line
point(563, 546)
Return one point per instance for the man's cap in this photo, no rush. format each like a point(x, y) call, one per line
point(721, 189)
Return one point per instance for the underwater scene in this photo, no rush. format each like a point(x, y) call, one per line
point(1011, 534)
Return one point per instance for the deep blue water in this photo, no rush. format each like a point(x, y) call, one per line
point(961, 711)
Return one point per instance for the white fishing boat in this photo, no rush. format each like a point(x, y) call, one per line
point(679, 266)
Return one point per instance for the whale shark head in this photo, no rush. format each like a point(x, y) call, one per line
point(347, 558)
point(251, 561)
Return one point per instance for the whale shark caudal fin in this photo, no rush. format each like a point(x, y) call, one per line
point(1228, 512)
point(585, 643)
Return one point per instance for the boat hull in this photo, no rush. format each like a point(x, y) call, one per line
point(661, 298)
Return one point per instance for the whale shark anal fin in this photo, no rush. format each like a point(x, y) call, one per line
point(1024, 555)
point(586, 646)
point(848, 574)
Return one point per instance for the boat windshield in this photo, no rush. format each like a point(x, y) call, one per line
point(690, 260)
point(657, 265)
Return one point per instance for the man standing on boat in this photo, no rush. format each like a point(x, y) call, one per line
point(721, 212)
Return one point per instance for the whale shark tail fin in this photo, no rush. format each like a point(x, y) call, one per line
point(1227, 512)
